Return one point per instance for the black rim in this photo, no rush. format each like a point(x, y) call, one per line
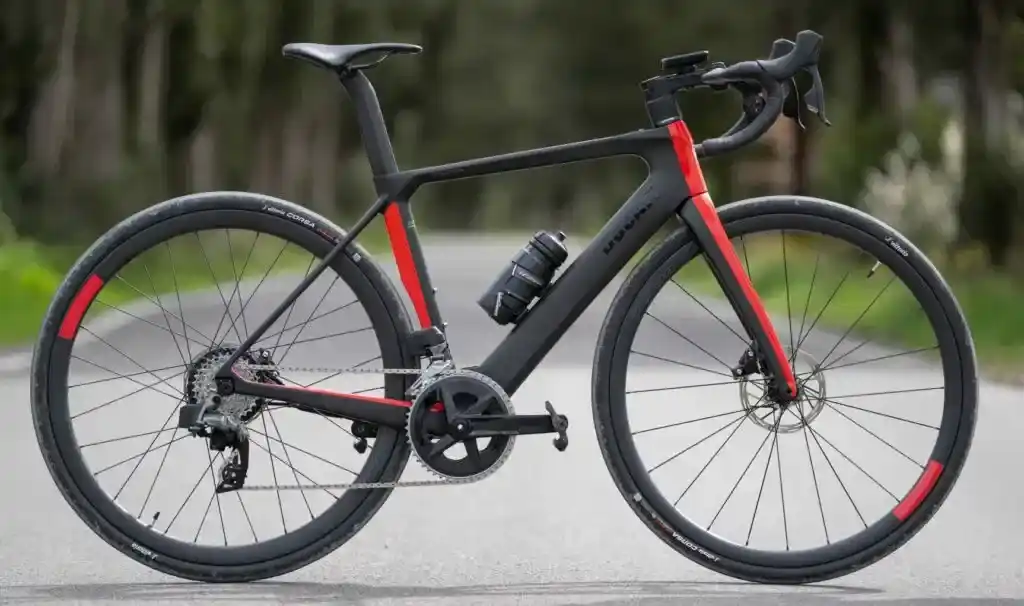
point(386, 446)
point(662, 510)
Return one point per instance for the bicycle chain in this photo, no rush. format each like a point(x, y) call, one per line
point(441, 481)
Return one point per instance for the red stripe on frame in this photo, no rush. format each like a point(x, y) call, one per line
point(385, 401)
point(406, 266)
point(682, 142)
point(917, 494)
point(375, 400)
point(79, 305)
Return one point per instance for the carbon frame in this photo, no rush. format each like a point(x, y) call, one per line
point(674, 186)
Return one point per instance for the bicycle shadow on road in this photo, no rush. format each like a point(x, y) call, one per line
point(646, 593)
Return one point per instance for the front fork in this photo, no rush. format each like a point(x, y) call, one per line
point(699, 213)
point(766, 355)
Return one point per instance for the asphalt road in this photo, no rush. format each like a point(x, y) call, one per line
point(548, 528)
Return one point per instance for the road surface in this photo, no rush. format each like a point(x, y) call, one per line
point(548, 528)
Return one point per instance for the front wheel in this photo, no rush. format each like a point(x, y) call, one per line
point(823, 486)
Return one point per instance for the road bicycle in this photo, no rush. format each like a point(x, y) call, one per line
point(430, 407)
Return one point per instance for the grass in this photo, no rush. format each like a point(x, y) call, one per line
point(30, 274)
point(991, 303)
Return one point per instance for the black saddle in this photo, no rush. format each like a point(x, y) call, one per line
point(343, 58)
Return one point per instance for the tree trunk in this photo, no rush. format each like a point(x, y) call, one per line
point(49, 131)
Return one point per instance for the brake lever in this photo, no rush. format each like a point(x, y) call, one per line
point(791, 103)
point(815, 98)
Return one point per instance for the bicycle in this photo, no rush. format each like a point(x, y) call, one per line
point(430, 406)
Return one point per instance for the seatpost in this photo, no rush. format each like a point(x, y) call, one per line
point(372, 128)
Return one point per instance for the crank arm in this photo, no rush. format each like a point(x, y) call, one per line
point(483, 426)
point(515, 425)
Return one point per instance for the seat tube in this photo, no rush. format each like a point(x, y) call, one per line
point(398, 218)
point(372, 128)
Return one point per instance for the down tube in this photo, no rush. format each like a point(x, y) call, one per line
point(649, 208)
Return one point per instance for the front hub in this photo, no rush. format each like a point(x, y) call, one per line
point(772, 413)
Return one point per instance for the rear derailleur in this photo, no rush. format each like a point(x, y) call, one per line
point(232, 473)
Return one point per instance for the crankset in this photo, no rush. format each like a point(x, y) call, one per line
point(478, 419)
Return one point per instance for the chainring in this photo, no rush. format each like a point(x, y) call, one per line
point(471, 393)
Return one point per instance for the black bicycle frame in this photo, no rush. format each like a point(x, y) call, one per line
point(674, 186)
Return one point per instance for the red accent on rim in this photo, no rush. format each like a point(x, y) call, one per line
point(79, 305)
point(917, 494)
point(682, 142)
point(406, 265)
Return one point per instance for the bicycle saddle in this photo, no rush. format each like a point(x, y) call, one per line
point(346, 57)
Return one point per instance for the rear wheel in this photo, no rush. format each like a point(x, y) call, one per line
point(831, 483)
point(110, 375)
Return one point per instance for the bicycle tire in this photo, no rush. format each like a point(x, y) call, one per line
point(691, 540)
point(261, 560)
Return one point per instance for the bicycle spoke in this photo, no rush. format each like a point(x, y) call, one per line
point(163, 459)
point(824, 358)
point(216, 284)
point(143, 453)
point(241, 312)
point(167, 321)
point(143, 457)
point(295, 341)
point(782, 490)
point(807, 306)
point(814, 476)
point(702, 440)
point(681, 423)
point(304, 476)
point(854, 463)
point(881, 414)
point(886, 393)
point(322, 337)
point(120, 376)
point(126, 356)
point(128, 395)
point(273, 472)
point(245, 512)
point(685, 338)
point(216, 495)
point(299, 326)
point(713, 314)
point(708, 464)
point(184, 325)
point(291, 308)
point(167, 329)
point(678, 363)
point(177, 293)
point(238, 284)
point(739, 480)
point(189, 497)
point(775, 437)
point(288, 457)
point(874, 435)
point(810, 329)
point(654, 389)
point(879, 358)
point(111, 440)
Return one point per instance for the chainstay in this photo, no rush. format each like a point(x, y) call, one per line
point(359, 485)
point(334, 371)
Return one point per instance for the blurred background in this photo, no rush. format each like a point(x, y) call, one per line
point(107, 107)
